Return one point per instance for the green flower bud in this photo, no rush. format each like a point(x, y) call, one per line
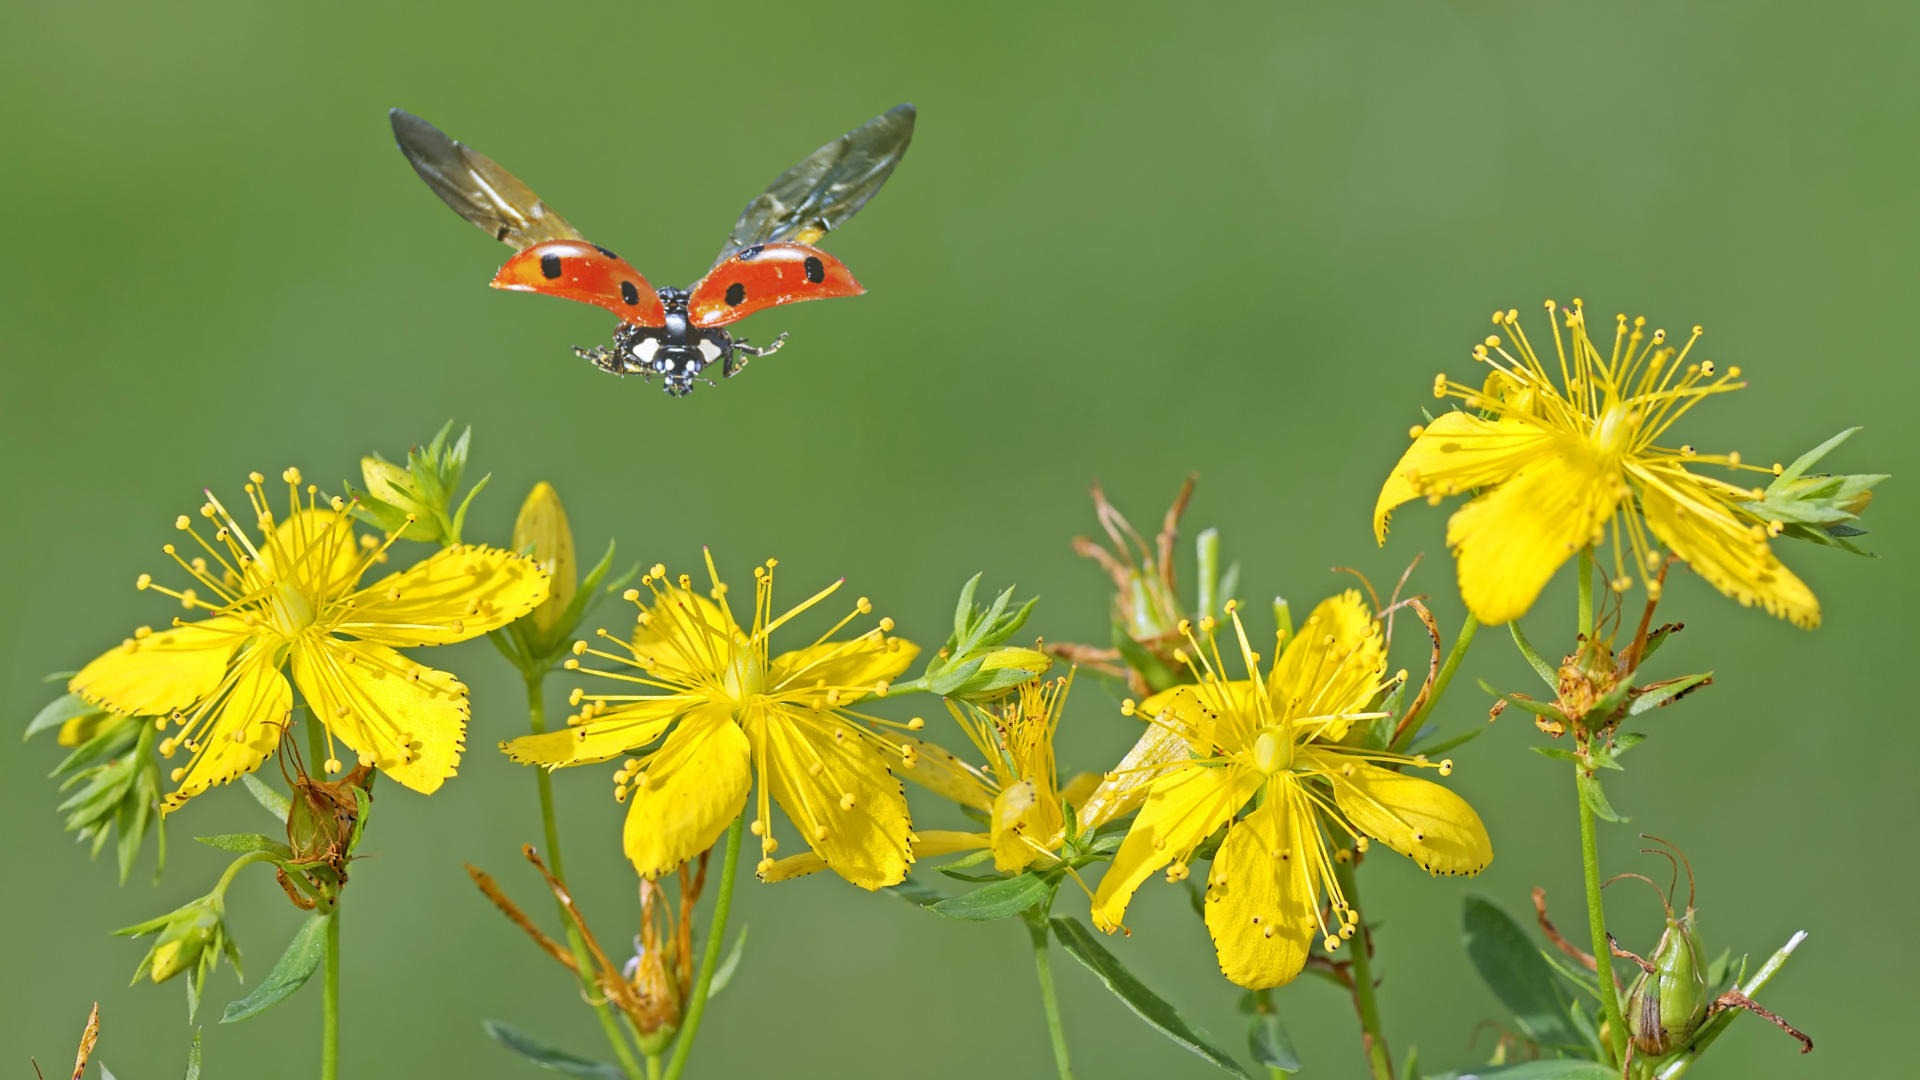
point(542, 533)
point(1665, 1004)
point(392, 495)
point(184, 941)
point(975, 664)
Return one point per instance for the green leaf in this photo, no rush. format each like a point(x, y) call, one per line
point(1538, 708)
point(1662, 695)
point(1547, 672)
point(1567, 1069)
point(1147, 1005)
point(1512, 967)
point(917, 893)
point(1557, 753)
point(546, 1055)
point(1270, 1045)
point(241, 843)
point(289, 973)
point(193, 1058)
point(1812, 457)
point(723, 974)
point(999, 900)
point(1596, 800)
point(1451, 742)
point(59, 711)
point(274, 803)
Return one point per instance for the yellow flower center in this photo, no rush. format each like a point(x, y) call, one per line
point(1273, 749)
point(1614, 431)
point(288, 610)
point(745, 675)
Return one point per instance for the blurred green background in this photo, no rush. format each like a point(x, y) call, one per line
point(1131, 241)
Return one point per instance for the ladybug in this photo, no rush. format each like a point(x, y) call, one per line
point(769, 258)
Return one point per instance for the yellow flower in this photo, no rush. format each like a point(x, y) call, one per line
point(1565, 462)
point(293, 601)
point(735, 708)
point(1277, 744)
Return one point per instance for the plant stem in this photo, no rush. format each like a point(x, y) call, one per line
point(1597, 918)
point(716, 944)
point(1365, 1002)
point(330, 985)
point(1043, 965)
point(330, 1002)
point(550, 827)
point(653, 1067)
point(1586, 591)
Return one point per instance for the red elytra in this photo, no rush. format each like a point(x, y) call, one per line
point(767, 275)
point(575, 270)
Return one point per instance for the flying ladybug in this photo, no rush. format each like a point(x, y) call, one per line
point(769, 258)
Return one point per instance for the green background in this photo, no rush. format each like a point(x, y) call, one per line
point(1131, 241)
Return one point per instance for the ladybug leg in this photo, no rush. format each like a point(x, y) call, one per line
point(760, 350)
point(601, 357)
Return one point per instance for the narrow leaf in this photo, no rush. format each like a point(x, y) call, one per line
point(1270, 1045)
point(1660, 695)
point(1547, 672)
point(723, 974)
point(193, 1058)
point(1147, 1005)
point(289, 973)
point(1512, 967)
point(917, 893)
point(57, 712)
point(1567, 1069)
point(242, 843)
point(999, 900)
point(272, 801)
point(546, 1055)
point(1596, 801)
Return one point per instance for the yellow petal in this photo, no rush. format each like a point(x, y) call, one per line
point(1010, 825)
point(835, 786)
point(935, 843)
point(452, 595)
point(1260, 900)
point(1121, 791)
point(1417, 818)
point(691, 790)
point(241, 726)
point(681, 634)
point(1510, 540)
point(313, 552)
point(610, 734)
point(1183, 809)
point(1333, 665)
point(851, 667)
point(156, 674)
point(941, 771)
point(408, 720)
point(1455, 453)
point(1682, 511)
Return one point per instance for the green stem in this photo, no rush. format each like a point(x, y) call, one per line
point(550, 827)
point(330, 985)
point(1461, 643)
point(1597, 919)
point(1586, 592)
point(716, 944)
point(1043, 964)
point(1365, 1001)
point(653, 1067)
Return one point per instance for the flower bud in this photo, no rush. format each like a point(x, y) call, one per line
point(1667, 1003)
point(542, 533)
point(184, 940)
point(392, 494)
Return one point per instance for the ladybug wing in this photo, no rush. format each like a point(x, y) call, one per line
point(761, 276)
point(827, 187)
point(577, 270)
point(476, 187)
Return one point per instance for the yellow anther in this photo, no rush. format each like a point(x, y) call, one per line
point(143, 582)
point(183, 523)
point(846, 800)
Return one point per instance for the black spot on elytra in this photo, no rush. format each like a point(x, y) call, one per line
point(736, 294)
point(750, 254)
point(605, 252)
point(816, 270)
point(550, 266)
point(628, 293)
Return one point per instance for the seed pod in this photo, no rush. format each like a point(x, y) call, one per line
point(1666, 1003)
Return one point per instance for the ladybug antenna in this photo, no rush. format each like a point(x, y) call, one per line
point(1650, 884)
point(1671, 850)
